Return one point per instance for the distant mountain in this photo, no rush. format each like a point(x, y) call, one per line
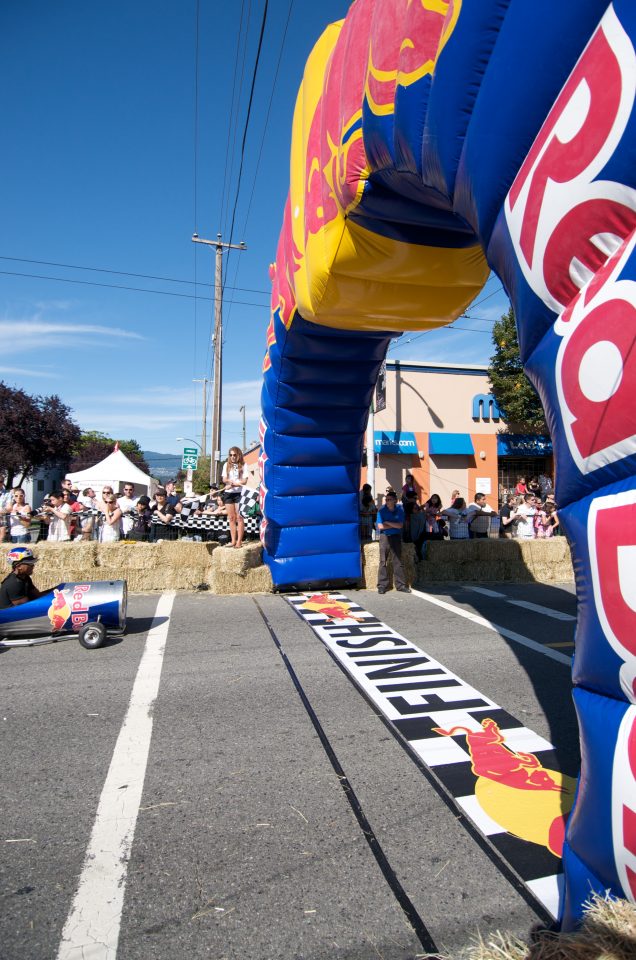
point(163, 466)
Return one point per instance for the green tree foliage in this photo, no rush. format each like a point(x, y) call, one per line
point(93, 446)
point(36, 432)
point(201, 476)
point(516, 397)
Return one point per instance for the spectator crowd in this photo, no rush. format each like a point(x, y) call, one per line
point(527, 513)
point(72, 514)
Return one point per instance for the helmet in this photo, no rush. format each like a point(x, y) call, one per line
point(20, 555)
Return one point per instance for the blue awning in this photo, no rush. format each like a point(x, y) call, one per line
point(450, 444)
point(394, 441)
point(523, 445)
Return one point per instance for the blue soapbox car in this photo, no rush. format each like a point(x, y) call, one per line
point(91, 610)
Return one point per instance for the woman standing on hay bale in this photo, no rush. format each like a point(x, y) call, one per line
point(234, 478)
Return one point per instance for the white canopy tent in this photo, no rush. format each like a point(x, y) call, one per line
point(114, 471)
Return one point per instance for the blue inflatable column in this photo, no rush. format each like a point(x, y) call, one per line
point(316, 398)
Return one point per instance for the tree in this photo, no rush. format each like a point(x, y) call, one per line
point(93, 446)
point(36, 432)
point(201, 476)
point(516, 397)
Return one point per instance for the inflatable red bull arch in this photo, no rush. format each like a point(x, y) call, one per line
point(433, 141)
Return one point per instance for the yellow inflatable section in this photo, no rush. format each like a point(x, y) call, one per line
point(344, 275)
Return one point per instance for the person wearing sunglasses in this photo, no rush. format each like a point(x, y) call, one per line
point(234, 477)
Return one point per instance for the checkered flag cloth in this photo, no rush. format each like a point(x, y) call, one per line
point(249, 499)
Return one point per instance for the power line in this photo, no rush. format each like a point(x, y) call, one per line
point(232, 127)
point(125, 273)
point(260, 149)
point(248, 115)
point(119, 286)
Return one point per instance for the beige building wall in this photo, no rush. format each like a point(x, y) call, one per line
point(424, 398)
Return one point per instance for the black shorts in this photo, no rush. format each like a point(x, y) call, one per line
point(231, 497)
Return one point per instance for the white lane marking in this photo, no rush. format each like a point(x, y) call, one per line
point(526, 604)
point(91, 931)
point(502, 631)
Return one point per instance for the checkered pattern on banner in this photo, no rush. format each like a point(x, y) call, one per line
point(188, 520)
point(219, 523)
point(417, 694)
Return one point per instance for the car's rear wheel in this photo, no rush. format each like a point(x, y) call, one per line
point(92, 635)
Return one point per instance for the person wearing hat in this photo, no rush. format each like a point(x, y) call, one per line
point(18, 587)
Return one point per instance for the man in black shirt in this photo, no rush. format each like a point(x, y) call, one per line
point(140, 529)
point(18, 587)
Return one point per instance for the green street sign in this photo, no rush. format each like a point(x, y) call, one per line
point(190, 458)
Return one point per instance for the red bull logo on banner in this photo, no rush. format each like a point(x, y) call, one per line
point(612, 544)
point(566, 225)
point(515, 790)
point(624, 804)
point(404, 45)
point(333, 610)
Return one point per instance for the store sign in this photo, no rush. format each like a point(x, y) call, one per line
point(394, 441)
point(485, 407)
point(523, 445)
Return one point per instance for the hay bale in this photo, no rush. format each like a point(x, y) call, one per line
point(608, 932)
point(147, 567)
point(518, 561)
point(240, 571)
point(371, 564)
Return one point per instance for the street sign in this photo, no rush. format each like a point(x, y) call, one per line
point(190, 458)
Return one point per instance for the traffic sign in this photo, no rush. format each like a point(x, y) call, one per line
point(190, 458)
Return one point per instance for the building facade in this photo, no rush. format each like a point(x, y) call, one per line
point(442, 424)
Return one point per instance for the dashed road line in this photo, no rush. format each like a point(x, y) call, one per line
point(525, 604)
point(496, 628)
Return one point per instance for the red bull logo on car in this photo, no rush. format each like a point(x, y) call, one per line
point(67, 605)
point(59, 611)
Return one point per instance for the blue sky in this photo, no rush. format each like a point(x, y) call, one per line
point(98, 171)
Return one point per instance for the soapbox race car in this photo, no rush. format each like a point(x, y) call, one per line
point(91, 610)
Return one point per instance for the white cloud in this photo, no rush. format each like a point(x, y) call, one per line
point(43, 328)
point(24, 372)
point(163, 412)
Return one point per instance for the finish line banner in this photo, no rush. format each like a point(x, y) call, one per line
point(504, 777)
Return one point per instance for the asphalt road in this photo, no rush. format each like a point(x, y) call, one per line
point(243, 842)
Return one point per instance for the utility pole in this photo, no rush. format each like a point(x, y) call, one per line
point(217, 343)
point(242, 410)
point(204, 425)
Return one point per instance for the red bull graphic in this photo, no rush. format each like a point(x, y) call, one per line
point(69, 604)
point(624, 804)
point(59, 611)
point(422, 159)
point(333, 610)
point(612, 544)
point(515, 789)
point(80, 604)
point(505, 791)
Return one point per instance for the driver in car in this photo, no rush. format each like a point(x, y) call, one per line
point(18, 587)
